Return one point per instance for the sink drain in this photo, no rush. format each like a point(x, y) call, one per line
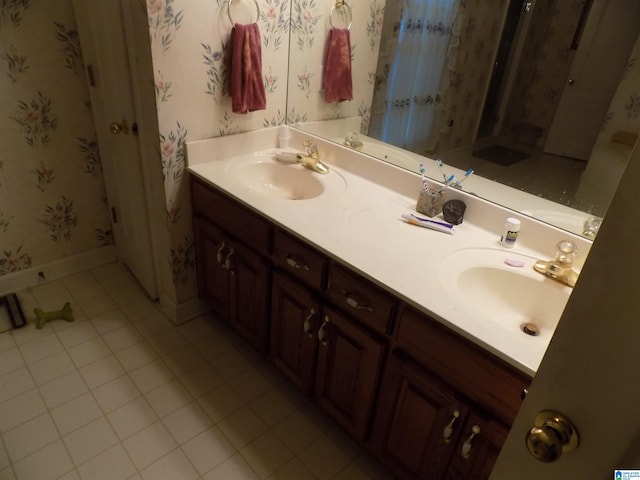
point(530, 329)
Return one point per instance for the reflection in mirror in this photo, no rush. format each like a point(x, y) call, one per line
point(540, 97)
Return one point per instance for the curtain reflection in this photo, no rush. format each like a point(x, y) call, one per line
point(418, 76)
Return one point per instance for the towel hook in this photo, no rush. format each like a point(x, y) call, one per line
point(229, 2)
point(347, 13)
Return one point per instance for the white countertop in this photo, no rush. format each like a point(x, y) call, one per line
point(361, 227)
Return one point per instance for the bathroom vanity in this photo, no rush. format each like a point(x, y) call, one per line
point(346, 301)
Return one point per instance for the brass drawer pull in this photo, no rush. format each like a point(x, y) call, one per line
point(466, 446)
point(220, 251)
point(306, 325)
point(448, 430)
point(322, 335)
point(293, 264)
point(352, 302)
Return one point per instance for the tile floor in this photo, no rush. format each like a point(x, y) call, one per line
point(122, 393)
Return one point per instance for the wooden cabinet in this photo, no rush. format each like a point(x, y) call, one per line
point(427, 402)
point(322, 350)
point(432, 425)
point(232, 276)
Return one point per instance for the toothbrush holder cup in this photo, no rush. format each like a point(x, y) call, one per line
point(430, 203)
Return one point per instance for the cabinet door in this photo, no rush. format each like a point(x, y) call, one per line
point(477, 449)
point(295, 317)
point(248, 276)
point(418, 422)
point(211, 248)
point(349, 362)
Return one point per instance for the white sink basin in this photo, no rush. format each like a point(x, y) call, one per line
point(511, 296)
point(264, 175)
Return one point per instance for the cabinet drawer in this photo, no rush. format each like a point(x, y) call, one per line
point(361, 299)
point(477, 374)
point(299, 260)
point(236, 219)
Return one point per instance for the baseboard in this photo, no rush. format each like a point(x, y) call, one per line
point(184, 311)
point(29, 277)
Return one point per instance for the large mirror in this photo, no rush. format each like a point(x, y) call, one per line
point(540, 98)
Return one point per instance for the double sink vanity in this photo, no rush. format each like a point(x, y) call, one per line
point(409, 338)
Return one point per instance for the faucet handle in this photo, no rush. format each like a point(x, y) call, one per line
point(566, 252)
point(311, 148)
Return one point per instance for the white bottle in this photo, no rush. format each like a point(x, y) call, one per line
point(284, 136)
point(510, 232)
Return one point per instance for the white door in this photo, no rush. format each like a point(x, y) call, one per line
point(590, 371)
point(607, 40)
point(104, 48)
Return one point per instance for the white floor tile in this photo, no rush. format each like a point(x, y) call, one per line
point(208, 449)
point(10, 360)
point(151, 376)
point(201, 380)
point(71, 475)
point(89, 351)
point(183, 360)
point(48, 463)
point(76, 334)
point(231, 364)
point(30, 436)
point(220, 403)
point(116, 393)
point(78, 280)
point(40, 348)
point(88, 291)
point(90, 440)
point(112, 464)
point(173, 466)
point(153, 325)
point(4, 456)
point(7, 342)
point(149, 445)
point(63, 389)
point(187, 422)
point(293, 470)
point(76, 413)
point(297, 431)
point(110, 321)
point(266, 454)
point(51, 368)
point(102, 371)
point(352, 472)
point(168, 398)
point(127, 295)
point(197, 328)
point(132, 417)
point(273, 407)
point(20, 409)
point(233, 468)
point(250, 384)
point(213, 346)
point(7, 474)
point(167, 342)
point(136, 356)
point(97, 306)
point(242, 427)
point(324, 458)
point(29, 332)
point(15, 383)
point(122, 338)
point(139, 310)
point(49, 289)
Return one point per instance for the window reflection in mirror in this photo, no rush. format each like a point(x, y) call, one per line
point(507, 88)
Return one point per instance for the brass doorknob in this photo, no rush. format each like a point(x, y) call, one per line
point(122, 127)
point(552, 435)
point(571, 82)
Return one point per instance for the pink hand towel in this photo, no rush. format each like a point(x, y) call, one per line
point(336, 76)
point(246, 87)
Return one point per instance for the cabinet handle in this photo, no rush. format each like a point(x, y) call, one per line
point(293, 264)
point(352, 302)
point(219, 254)
point(466, 446)
point(321, 331)
point(227, 262)
point(448, 430)
point(307, 322)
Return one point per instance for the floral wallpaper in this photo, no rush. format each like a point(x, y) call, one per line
point(52, 195)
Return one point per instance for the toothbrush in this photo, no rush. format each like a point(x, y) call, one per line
point(441, 167)
point(466, 175)
point(425, 184)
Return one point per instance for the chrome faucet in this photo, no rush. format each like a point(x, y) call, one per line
point(560, 268)
point(310, 159)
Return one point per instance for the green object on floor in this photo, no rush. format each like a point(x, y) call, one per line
point(63, 314)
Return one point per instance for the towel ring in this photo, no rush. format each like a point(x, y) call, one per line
point(348, 14)
point(229, 2)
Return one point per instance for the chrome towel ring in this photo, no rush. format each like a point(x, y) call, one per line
point(346, 14)
point(255, 2)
